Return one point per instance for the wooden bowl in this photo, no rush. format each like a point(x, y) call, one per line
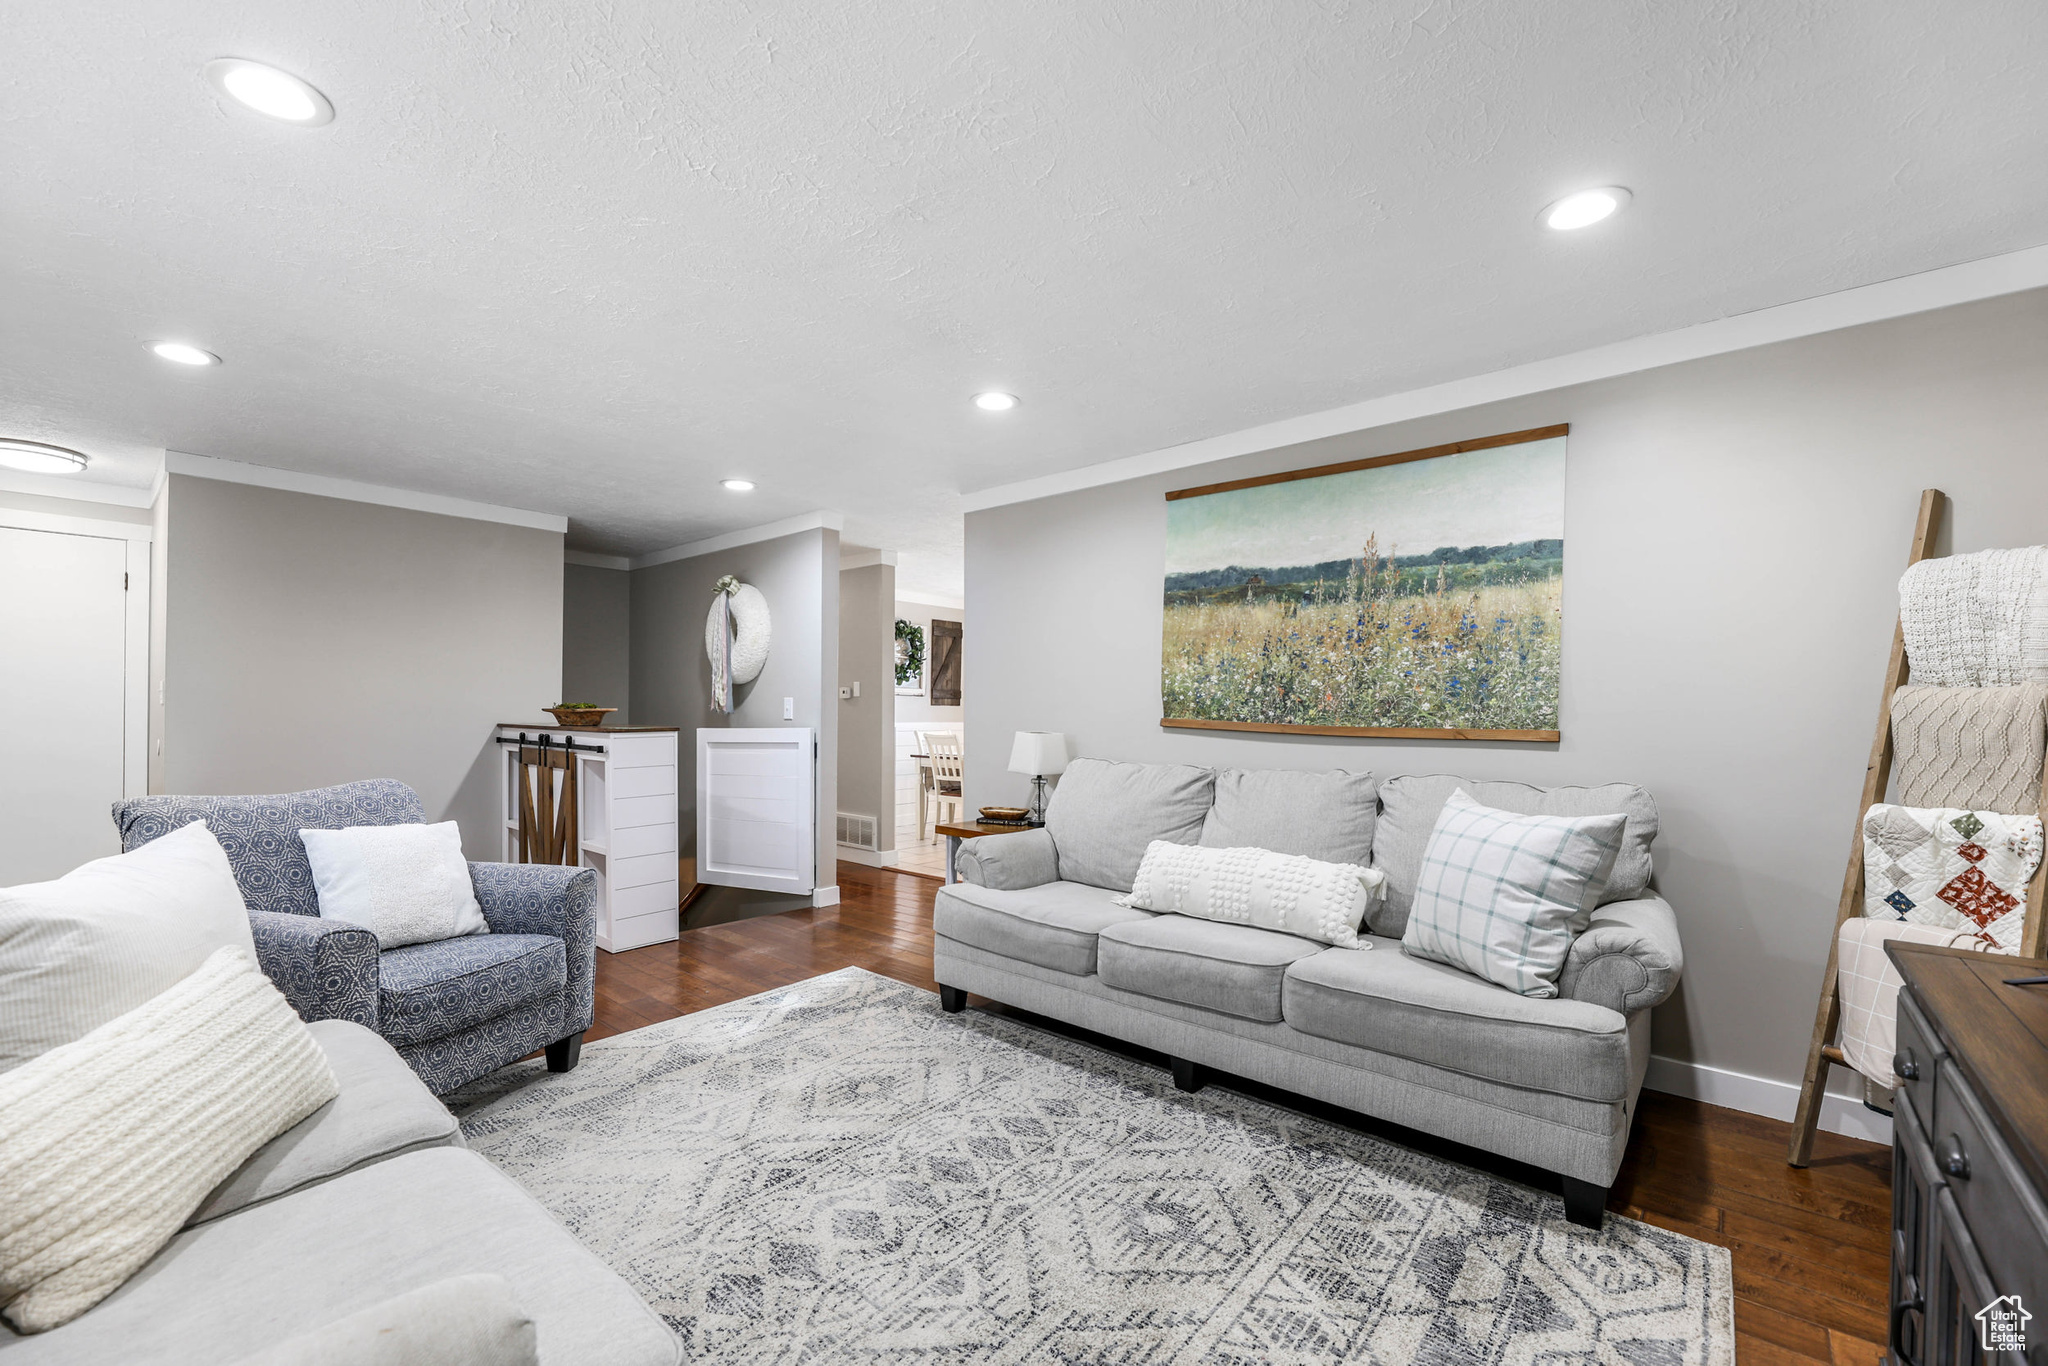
point(1005, 813)
point(580, 717)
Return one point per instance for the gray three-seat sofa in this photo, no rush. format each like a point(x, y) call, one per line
point(1550, 1081)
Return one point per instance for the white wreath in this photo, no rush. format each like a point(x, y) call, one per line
point(750, 628)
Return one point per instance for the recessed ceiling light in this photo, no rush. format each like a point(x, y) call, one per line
point(182, 354)
point(37, 458)
point(1584, 209)
point(737, 485)
point(270, 92)
point(993, 402)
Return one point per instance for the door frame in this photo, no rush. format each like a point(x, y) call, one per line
point(135, 634)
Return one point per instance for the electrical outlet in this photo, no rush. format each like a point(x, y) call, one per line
point(789, 709)
point(845, 693)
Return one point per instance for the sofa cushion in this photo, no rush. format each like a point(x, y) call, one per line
point(232, 1287)
point(1436, 1014)
point(426, 991)
point(1327, 816)
point(1235, 969)
point(381, 1110)
point(1053, 925)
point(1103, 814)
point(1409, 807)
point(468, 1320)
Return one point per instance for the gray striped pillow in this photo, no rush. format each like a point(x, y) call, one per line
point(1502, 895)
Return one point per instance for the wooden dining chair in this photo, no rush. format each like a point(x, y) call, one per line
point(944, 770)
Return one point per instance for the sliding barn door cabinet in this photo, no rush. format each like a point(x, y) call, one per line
point(602, 798)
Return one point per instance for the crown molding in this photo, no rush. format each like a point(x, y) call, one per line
point(67, 486)
point(867, 559)
point(1921, 293)
point(788, 526)
point(320, 485)
point(594, 560)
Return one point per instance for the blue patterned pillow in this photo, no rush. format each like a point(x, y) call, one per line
point(1502, 896)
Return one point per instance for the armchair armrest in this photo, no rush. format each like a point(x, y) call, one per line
point(1009, 862)
point(542, 898)
point(1629, 957)
point(327, 969)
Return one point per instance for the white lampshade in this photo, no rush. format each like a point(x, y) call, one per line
point(1039, 753)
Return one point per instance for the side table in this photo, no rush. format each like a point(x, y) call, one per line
point(955, 831)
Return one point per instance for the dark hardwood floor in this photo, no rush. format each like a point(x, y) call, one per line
point(1809, 1247)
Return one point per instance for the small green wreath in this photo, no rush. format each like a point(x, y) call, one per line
point(909, 654)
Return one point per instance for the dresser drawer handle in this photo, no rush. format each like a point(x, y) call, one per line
point(1906, 1065)
point(1911, 1304)
point(1954, 1160)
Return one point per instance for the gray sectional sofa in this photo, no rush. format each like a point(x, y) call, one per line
point(370, 1197)
point(1551, 1082)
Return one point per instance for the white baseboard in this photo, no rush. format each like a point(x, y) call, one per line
point(825, 896)
point(885, 859)
point(1839, 1114)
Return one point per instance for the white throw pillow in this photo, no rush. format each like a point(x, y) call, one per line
point(407, 884)
point(1291, 893)
point(1502, 895)
point(108, 1142)
point(111, 934)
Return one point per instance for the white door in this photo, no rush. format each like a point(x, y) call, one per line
point(63, 688)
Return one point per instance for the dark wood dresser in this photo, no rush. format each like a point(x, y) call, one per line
point(1969, 1160)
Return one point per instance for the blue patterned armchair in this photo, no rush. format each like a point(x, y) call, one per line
point(456, 1009)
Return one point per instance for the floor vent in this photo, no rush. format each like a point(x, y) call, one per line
point(857, 832)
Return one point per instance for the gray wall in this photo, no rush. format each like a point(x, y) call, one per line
point(312, 640)
point(867, 724)
point(597, 627)
point(799, 575)
point(1736, 529)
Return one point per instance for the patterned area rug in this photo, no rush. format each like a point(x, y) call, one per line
point(840, 1172)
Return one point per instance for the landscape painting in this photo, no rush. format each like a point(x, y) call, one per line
point(1418, 595)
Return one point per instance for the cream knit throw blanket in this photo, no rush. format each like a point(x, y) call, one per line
point(1975, 621)
point(107, 1143)
point(1976, 748)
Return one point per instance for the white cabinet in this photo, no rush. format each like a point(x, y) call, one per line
point(625, 823)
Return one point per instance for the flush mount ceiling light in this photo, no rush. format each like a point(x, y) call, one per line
point(180, 353)
point(1584, 209)
point(993, 402)
point(270, 92)
point(737, 485)
point(35, 457)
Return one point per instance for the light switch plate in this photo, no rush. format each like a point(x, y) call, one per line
point(856, 688)
point(789, 709)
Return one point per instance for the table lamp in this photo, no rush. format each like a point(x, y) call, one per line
point(1040, 754)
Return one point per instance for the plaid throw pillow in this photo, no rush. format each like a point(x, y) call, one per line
point(1502, 895)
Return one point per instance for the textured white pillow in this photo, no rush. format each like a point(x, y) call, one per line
point(1503, 895)
point(407, 884)
point(1287, 892)
point(107, 1143)
point(109, 935)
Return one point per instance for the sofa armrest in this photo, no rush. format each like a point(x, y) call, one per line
point(1628, 959)
point(1010, 862)
point(545, 898)
point(327, 969)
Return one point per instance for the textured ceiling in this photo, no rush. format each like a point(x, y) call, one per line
point(590, 258)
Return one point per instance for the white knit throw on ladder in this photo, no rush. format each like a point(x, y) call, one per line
point(1976, 621)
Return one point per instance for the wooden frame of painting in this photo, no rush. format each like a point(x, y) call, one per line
point(1291, 607)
